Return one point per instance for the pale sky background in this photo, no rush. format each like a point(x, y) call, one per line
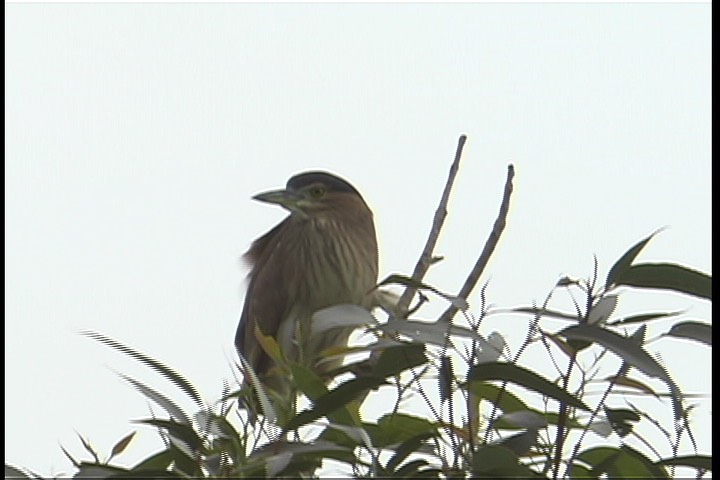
point(136, 135)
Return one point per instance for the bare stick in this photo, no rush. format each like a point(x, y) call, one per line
point(490, 245)
point(426, 258)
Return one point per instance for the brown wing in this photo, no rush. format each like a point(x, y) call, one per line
point(265, 303)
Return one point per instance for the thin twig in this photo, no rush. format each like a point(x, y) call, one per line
point(490, 245)
point(426, 258)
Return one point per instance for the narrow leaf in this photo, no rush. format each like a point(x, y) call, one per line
point(624, 347)
point(170, 407)
point(334, 400)
point(668, 276)
point(540, 312)
point(258, 389)
point(159, 367)
point(445, 378)
point(122, 445)
point(644, 318)
point(341, 316)
point(701, 462)
point(526, 378)
point(698, 331)
point(624, 262)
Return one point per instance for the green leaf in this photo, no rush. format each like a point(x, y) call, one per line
point(622, 462)
point(621, 420)
point(97, 471)
point(701, 462)
point(698, 331)
point(624, 262)
point(409, 446)
point(158, 461)
point(668, 276)
point(624, 347)
point(314, 388)
point(496, 461)
point(395, 360)
point(396, 428)
point(334, 400)
point(505, 400)
point(526, 378)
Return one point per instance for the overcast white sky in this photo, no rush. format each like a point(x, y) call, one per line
point(136, 135)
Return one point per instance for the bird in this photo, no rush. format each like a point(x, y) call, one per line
point(323, 253)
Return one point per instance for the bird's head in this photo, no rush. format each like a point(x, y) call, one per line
point(310, 194)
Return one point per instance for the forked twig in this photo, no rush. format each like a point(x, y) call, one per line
point(490, 245)
point(426, 258)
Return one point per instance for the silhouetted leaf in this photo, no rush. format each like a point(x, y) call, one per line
point(445, 378)
point(540, 312)
point(122, 444)
point(164, 370)
point(180, 431)
point(643, 318)
point(698, 331)
point(621, 420)
point(624, 262)
point(170, 407)
point(668, 276)
point(624, 347)
point(632, 383)
point(88, 448)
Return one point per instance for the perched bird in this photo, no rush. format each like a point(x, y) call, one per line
point(322, 254)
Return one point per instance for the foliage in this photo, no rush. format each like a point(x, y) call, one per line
point(491, 414)
point(481, 425)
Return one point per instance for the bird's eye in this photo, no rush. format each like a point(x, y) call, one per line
point(317, 191)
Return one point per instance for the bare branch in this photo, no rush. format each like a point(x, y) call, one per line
point(426, 258)
point(490, 245)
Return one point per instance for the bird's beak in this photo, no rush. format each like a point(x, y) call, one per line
point(285, 198)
